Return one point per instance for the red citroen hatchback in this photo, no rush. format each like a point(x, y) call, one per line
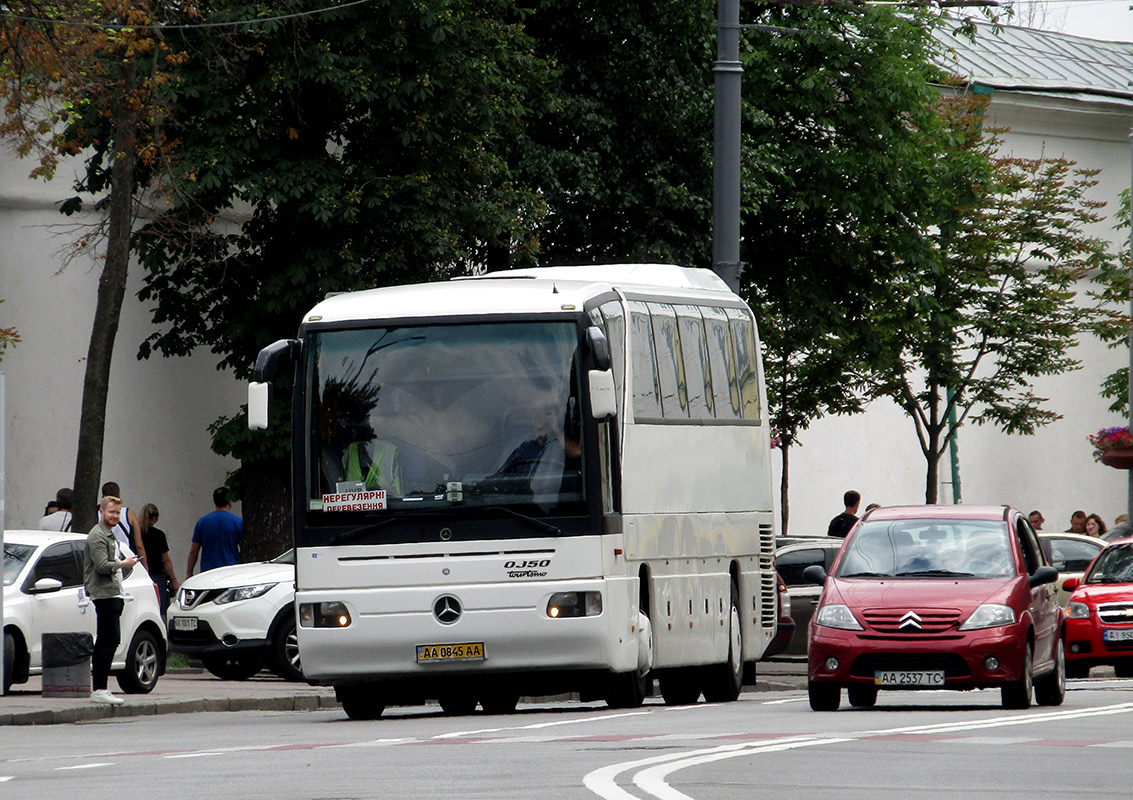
point(937, 597)
point(1099, 622)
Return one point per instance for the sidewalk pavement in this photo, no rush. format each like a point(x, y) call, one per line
point(192, 690)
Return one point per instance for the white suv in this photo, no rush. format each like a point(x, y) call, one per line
point(237, 619)
point(43, 593)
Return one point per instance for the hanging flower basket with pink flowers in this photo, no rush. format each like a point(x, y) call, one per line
point(1114, 447)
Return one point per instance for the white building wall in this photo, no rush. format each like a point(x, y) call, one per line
point(158, 410)
point(878, 453)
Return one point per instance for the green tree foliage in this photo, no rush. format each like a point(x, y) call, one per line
point(838, 100)
point(335, 151)
point(623, 154)
point(79, 77)
point(995, 305)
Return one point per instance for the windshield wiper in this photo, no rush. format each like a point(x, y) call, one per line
point(538, 523)
point(937, 573)
point(867, 575)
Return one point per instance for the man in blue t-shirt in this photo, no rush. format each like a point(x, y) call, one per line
point(217, 536)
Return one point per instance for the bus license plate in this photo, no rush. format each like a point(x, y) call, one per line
point(184, 623)
point(1117, 635)
point(908, 678)
point(468, 651)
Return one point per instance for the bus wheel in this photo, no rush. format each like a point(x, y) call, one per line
point(457, 704)
point(359, 703)
point(628, 689)
point(680, 687)
point(499, 702)
point(722, 682)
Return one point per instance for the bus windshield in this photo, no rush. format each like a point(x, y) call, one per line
point(438, 415)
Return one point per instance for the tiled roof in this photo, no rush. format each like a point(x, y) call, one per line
point(1025, 59)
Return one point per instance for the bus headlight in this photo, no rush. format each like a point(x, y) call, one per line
point(574, 604)
point(324, 615)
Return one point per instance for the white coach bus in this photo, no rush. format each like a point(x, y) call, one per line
point(527, 483)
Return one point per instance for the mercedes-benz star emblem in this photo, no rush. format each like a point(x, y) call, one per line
point(910, 620)
point(447, 609)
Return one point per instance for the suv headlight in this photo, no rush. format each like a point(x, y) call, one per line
point(837, 615)
point(243, 593)
point(1078, 611)
point(989, 615)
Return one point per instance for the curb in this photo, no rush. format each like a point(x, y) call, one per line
point(87, 713)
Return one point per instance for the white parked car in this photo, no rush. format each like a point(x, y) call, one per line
point(238, 619)
point(43, 593)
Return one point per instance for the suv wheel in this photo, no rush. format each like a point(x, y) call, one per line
point(233, 667)
point(285, 650)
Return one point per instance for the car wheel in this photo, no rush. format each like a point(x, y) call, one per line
point(499, 702)
point(457, 704)
point(862, 696)
point(233, 667)
point(9, 660)
point(285, 651)
point(824, 696)
point(360, 703)
point(1123, 670)
point(723, 682)
point(1050, 689)
point(1017, 694)
point(143, 665)
point(679, 687)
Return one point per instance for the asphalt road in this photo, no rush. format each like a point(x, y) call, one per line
point(768, 744)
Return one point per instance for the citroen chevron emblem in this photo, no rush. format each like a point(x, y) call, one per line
point(910, 620)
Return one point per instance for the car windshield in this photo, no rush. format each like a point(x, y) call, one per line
point(15, 556)
point(1114, 565)
point(927, 548)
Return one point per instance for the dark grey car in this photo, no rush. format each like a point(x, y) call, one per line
point(791, 560)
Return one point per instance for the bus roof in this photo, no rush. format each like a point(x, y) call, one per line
point(542, 290)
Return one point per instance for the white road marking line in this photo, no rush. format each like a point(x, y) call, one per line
point(194, 755)
point(537, 725)
point(652, 772)
point(86, 766)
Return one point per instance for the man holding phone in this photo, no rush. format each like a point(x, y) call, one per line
point(103, 563)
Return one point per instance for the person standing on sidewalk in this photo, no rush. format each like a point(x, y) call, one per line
point(216, 537)
point(102, 569)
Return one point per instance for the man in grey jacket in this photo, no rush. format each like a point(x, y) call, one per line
point(102, 566)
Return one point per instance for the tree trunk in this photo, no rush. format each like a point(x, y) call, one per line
point(784, 483)
point(932, 474)
point(111, 291)
point(266, 504)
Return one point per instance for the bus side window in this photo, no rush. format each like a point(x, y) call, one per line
point(747, 359)
point(698, 374)
point(725, 392)
point(670, 363)
point(615, 326)
point(646, 392)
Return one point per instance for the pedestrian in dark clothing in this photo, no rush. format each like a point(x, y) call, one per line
point(841, 524)
point(157, 556)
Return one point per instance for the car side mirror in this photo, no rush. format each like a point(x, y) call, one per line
point(1070, 584)
point(46, 585)
point(1043, 575)
point(815, 574)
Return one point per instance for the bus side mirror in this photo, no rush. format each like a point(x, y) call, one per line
point(259, 405)
point(599, 348)
point(603, 400)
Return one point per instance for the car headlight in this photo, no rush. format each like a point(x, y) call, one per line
point(243, 593)
point(989, 615)
point(837, 615)
point(1078, 611)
